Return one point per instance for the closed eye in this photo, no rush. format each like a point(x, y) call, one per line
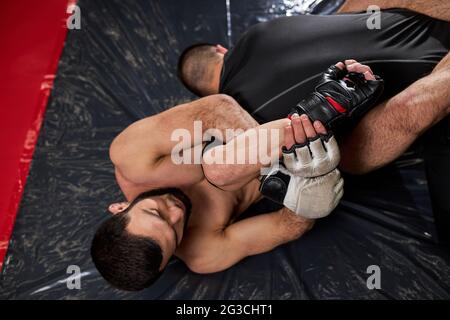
point(157, 215)
point(154, 212)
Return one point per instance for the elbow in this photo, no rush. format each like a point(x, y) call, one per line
point(114, 152)
point(215, 175)
point(226, 102)
point(221, 179)
point(201, 269)
point(219, 175)
point(118, 149)
point(202, 266)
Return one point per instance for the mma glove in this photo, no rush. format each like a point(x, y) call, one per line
point(308, 182)
point(316, 157)
point(340, 97)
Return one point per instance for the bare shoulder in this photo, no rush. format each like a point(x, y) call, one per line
point(130, 141)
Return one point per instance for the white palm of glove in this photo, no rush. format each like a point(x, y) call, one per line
point(316, 197)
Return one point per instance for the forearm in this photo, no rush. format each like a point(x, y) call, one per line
point(172, 140)
point(390, 128)
point(186, 123)
point(240, 160)
point(248, 237)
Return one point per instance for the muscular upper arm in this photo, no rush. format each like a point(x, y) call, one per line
point(223, 248)
point(257, 146)
point(143, 151)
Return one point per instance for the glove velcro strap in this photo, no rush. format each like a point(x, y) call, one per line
point(274, 186)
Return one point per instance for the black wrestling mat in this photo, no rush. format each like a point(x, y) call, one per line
point(120, 67)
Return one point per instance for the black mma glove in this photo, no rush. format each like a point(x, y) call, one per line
point(336, 100)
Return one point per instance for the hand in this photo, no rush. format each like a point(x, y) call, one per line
point(309, 150)
point(353, 66)
point(344, 92)
point(310, 198)
point(308, 183)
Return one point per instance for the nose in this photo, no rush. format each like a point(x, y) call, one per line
point(168, 209)
point(175, 214)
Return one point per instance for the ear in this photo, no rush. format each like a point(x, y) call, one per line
point(220, 49)
point(118, 207)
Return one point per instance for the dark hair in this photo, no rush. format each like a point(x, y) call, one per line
point(127, 261)
point(194, 69)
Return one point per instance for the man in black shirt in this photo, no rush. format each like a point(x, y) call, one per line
point(276, 63)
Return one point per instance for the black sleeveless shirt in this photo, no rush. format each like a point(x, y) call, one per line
point(276, 63)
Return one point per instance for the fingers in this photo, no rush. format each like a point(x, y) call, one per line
point(297, 127)
point(294, 161)
point(360, 68)
point(317, 149)
point(354, 66)
point(308, 127)
point(288, 137)
point(303, 156)
point(320, 128)
point(308, 154)
point(303, 128)
point(350, 61)
point(333, 151)
point(338, 198)
point(339, 186)
point(368, 75)
point(338, 191)
point(295, 134)
point(340, 65)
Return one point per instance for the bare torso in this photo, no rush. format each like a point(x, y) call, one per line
point(212, 208)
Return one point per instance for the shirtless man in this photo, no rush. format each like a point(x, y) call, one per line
point(211, 241)
point(186, 214)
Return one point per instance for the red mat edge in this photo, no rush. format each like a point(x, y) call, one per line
point(30, 143)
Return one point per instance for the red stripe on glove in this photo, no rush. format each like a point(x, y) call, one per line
point(337, 106)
